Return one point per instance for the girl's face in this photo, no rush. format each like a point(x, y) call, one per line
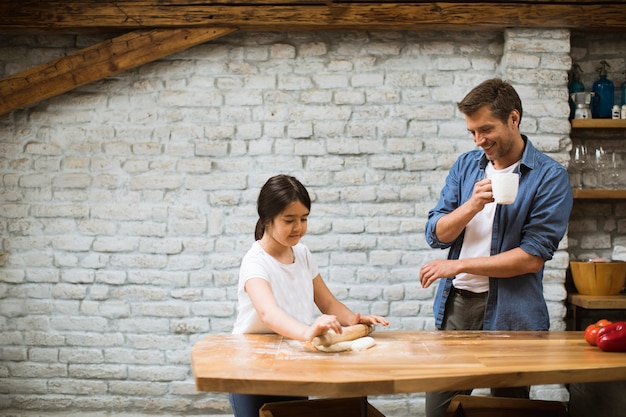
point(289, 226)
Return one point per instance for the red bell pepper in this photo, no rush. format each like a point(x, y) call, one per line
point(612, 338)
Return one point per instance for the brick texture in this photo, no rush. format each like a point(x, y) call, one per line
point(127, 204)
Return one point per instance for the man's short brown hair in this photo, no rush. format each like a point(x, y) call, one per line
point(499, 95)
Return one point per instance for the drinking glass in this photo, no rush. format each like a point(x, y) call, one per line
point(612, 177)
point(579, 161)
point(600, 163)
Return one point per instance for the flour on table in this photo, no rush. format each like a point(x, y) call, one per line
point(359, 344)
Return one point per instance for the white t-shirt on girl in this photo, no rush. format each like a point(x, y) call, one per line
point(292, 285)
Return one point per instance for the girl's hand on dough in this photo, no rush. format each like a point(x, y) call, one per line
point(322, 325)
point(370, 319)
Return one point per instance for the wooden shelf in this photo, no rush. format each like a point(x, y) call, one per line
point(579, 304)
point(598, 302)
point(599, 123)
point(582, 194)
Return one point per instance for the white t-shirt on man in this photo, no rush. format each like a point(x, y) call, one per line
point(477, 239)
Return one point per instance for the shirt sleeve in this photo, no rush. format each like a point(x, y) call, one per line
point(449, 200)
point(252, 267)
point(548, 220)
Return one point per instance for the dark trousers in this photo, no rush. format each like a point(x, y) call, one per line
point(465, 311)
point(248, 405)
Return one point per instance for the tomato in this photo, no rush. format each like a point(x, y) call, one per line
point(591, 332)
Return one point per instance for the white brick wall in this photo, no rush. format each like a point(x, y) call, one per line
point(127, 204)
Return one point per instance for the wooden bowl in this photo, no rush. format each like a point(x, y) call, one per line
point(599, 278)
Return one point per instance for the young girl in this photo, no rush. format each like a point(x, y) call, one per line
point(279, 282)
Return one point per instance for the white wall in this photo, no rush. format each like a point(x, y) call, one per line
point(127, 204)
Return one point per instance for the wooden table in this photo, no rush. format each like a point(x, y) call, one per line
point(579, 302)
point(400, 362)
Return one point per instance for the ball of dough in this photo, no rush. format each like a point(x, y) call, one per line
point(362, 343)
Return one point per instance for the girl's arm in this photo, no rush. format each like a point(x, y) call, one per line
point(277, 319)
point(328, 304)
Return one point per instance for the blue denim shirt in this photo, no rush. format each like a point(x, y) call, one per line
point(536, 222)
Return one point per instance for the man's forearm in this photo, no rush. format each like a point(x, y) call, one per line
point(507, 264)
point(450, 226)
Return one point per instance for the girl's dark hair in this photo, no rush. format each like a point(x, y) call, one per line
point(499, 95)
point(277, 193)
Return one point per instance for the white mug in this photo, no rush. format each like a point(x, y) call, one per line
point(504, 187)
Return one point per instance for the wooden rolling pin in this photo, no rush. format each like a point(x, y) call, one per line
point(348, 333)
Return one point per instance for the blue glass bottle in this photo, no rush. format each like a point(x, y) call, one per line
point(575, 86)
point(605, 94)
point(623, 89)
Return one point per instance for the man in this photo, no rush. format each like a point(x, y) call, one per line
point(492, 279)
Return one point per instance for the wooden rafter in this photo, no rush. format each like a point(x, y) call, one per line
point(97, 62)
point(123, 15)
point(153, 29)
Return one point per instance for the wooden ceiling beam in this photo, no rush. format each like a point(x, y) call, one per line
point(163, 27)
point(99, 61)
point(84, 16)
